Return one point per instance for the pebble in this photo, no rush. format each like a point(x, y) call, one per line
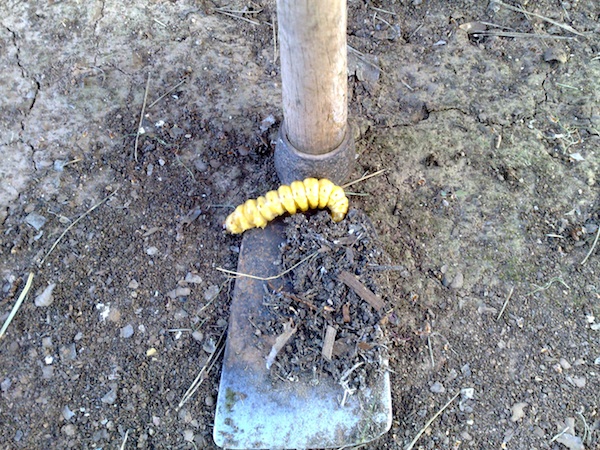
point(133, 284)
point(209, 400)
point(127, 331)
point(579, 382)
point(151, 251)
point(518, 411)
point(67, 413)
point(564, 364)
point(437, 388)
point(570, 441)
point(110, 397)
point(151, 351)
point(179, 292)
point(36, 220)
point(47, 342)
point(188, 435)
point(45, 298)
point(467, 393)
point(198, 335)
point(466, 370)
point(69, 429)
point(5, 385)
point(211, 292)
point(193, 278)
point(68, 352)
point(458, 281)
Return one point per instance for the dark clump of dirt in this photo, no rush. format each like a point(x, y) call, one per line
point(338, 329)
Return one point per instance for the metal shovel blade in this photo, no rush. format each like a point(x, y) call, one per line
point(253, 411)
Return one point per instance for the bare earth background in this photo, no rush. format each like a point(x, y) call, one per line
point(489, 204)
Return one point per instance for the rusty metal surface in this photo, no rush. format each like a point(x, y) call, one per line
point(252, 411)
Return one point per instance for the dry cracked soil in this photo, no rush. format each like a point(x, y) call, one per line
point(485, 116)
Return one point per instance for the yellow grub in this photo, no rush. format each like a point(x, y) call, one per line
point(325, 188)
point(311, 185)
point(286, 197)
point(298, 196)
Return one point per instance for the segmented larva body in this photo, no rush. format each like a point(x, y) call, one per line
point(298, 196)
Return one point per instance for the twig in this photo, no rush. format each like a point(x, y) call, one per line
point(553, 22)
point(137, 134)
point(13, 312)
point(225, 13)
point(559, 435)
point(363, 178)
point(430, 351)
point(383, 11)
point(505, 303)
point(75, 223)
point(430, 421)
point(591, 249)
point(274, 277)
point(166, 93)
point(124, 440)
point(204, 371)
point(516, 34)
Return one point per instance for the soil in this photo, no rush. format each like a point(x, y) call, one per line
point(486, 119)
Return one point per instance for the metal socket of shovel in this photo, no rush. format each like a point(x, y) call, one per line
point(252, 410)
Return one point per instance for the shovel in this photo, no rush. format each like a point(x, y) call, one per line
point(314, 141)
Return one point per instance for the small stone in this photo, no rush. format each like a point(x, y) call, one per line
point(564, 364)
point(458, 281)
point(68, 352)
point(47, 342)
point(188, 435)
point(193, 278)
point(579, 382)
point(209, 346)
point(467, 393)
point(127, 331)
point(437, 388)
point(133, 284)
point(69, 430)
point(36, 220)
point(211, 292)
point(110, 397)
point(47, 372)
point(5, 385)
point(67, 413)
point(570, 441)
point(151, 352)
point(466, 370)
point(179, 292)
point(151, 251)
point(209, 400)
point(554, 54)
point(198, 335)
point(518, 411)
point(45, 298)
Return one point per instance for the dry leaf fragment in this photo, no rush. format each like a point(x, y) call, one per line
point(288, 330)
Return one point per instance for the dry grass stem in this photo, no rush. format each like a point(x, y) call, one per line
point(592, 248)
point(137, 133)
point(75, 223)
point(13, 312)
point(166, 93)
point(274, 277)
point(553, 22)
point(516, 34)
point(236, 16)
point(124, 440)
point(430, 421)
point(550, 283)
point(210, 362)
point(505, 303)
point(363, 178)
point(383, 11)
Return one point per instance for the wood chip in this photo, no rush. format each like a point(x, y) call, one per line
point(361, 290)
point(328, 342)
point(288, 330)
point(346, 313)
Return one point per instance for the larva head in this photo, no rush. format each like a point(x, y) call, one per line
point(339, 210)
point(337, 195)
point(286, 197)
point(273, 204)
point(253, 215)
point(311, 186)
point(325, 188)
point(236, 223)
point(299, 195)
